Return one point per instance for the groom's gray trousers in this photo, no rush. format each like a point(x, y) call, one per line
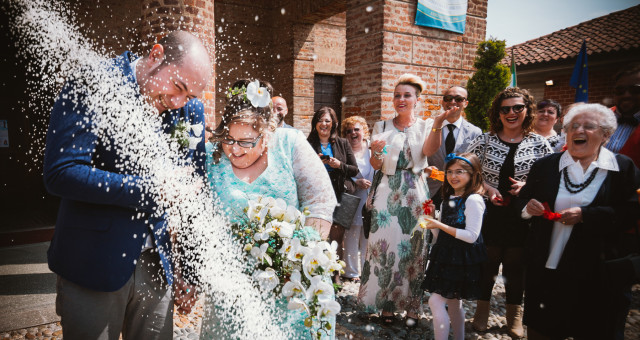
point(141, 309)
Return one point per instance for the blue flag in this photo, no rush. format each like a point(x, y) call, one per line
point(450, 15)
point(580, 77)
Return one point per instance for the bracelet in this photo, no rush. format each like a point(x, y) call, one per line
point(377, 155)
point(436, 129)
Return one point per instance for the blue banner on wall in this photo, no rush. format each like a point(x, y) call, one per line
point(450, 15)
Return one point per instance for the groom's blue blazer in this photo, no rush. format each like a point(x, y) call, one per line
point(105, 212)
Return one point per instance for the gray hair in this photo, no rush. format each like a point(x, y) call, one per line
point(606, 118)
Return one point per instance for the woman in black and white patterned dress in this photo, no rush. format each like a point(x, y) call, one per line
point(507, 152)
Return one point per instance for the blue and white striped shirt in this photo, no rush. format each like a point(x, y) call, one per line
point(620, 136)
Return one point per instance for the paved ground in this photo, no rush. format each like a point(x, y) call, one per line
point(28, 288)
point(27, 300)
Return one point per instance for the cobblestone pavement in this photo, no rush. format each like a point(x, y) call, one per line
point(353, 324)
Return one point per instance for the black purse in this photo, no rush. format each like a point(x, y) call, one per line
point(367, 208)
point(346, 210)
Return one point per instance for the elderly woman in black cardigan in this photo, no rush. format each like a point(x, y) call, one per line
point(338, 158)
point(593, 192)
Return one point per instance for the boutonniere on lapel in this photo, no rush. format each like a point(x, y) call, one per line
point(181, 133)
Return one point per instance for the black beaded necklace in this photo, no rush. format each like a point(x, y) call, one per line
point(576, 188)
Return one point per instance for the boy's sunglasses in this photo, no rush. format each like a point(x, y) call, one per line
point(458, 99)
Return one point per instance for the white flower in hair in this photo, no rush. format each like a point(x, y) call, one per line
point(258, 96)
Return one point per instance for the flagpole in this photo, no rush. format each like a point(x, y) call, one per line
point(514, 79)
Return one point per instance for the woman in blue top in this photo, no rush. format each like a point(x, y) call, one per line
point(249, 159)
point(337, 156)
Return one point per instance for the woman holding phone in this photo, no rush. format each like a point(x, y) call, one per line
point(338, 159)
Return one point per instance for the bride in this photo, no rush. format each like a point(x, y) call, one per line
point(251, 159)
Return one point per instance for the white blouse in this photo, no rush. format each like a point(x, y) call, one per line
point(560, 234)
point(473, 212)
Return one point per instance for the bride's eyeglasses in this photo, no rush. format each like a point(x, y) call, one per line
point(241, 143)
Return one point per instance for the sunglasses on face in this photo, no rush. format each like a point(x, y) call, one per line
point(241, 143)
point(516, 109)
point(350, 131)
point(458, 99)
point(633, 89)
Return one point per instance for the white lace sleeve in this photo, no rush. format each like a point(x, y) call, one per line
point(312, 180)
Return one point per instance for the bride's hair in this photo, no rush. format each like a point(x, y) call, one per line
point(239, 110)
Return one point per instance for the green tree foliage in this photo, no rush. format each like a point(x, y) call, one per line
point(490, 78)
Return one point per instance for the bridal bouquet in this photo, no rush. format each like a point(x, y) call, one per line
point(290, 259)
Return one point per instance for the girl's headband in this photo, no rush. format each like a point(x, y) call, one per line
point(453, 156)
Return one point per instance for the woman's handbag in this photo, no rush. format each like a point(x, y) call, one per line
point(346, 210)
point(367, 208)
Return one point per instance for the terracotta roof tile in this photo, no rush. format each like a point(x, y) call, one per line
point(616, 31)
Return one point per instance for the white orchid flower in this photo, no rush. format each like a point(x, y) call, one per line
point(313, 261)
point(292, 214)
point(284, 229)
point(331, 250)
point(255, 208)
point(267, 279)
point(197, 129)
point(294, 250)
point(258, 96)
point(193, 142)
point(263, 234)
point(328, 307)
point(294, 286)
point(297, 304)
point(261, 253)
point(319, 288)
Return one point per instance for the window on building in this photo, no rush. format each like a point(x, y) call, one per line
point(328, 92)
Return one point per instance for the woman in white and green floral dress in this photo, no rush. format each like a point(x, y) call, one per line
point(396, 254)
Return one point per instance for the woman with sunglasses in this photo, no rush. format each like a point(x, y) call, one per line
point(338, 159)
point(507, 152)
point(549, 114)
point(250, 158)
point(356, 131)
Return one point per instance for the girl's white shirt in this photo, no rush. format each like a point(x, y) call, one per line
point(473, 213)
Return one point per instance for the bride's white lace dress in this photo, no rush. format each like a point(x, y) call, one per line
point(294, 174)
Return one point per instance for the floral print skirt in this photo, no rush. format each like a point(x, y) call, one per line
point(397, 247)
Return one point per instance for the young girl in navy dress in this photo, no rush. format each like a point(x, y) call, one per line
point(455, 260)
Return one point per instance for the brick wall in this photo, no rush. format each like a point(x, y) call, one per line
point(600, 87)
point(383, 43)
point(330, 43)
point(112, 24)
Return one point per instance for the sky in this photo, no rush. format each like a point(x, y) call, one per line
point(517, 21)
